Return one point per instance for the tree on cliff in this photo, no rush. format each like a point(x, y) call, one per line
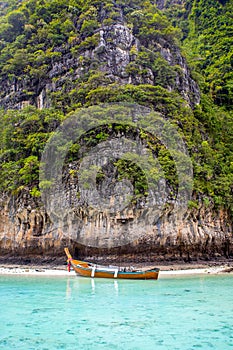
point(45, 43)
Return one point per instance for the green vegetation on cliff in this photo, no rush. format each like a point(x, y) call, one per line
point(36, 34)
point(211, 37)
point(207, 27)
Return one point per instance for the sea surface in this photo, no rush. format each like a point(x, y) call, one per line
point(180, 313)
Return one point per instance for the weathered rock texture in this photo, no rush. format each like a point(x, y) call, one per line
point(26, 230)
point(117, 47)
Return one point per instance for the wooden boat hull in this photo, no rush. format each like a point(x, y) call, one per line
point(86, 269)
point(98, 273)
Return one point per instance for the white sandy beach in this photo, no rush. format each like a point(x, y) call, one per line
point(197, 271)
point(170, 272)
point(35, 271)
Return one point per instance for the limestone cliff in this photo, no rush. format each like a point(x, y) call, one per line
point(26, 231)
point(113, 51)
point(117, 54)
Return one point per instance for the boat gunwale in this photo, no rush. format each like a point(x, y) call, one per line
point(102, 268)
point(111, 270)
point(119, 272)
point(85, 268)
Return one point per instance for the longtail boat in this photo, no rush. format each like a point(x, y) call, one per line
point(87, 269)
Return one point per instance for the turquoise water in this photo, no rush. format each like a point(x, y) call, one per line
point(78, 313)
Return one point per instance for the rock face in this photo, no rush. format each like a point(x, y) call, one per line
point(116, 48)
point(27, 231)
point(107, 225)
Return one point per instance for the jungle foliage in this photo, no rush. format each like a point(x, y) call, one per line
point(36, 33)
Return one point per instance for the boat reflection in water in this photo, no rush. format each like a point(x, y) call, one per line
point(77, 286)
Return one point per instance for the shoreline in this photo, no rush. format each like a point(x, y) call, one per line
point(165, 271)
